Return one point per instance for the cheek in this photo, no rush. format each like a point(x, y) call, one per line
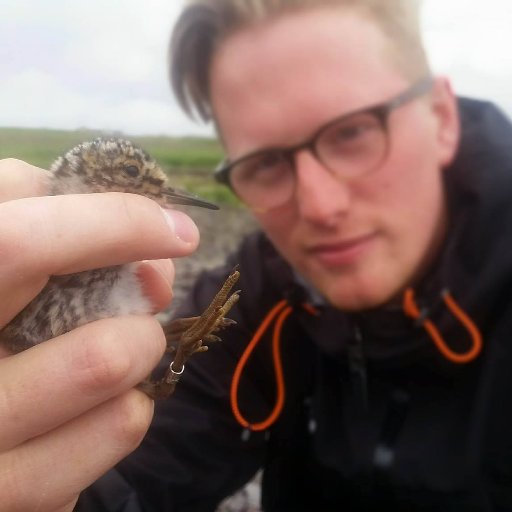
point(279, 227)
point(405, 196)
point(412, 205)
point(410, 180)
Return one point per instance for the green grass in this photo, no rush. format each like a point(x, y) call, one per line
point(41, 147)
point(188, 160)
point(183, 153)
point(207, 189)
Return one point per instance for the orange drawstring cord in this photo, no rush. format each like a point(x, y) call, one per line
point(411, 310)
point(281, 310)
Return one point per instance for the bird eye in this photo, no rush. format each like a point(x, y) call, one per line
point(131, 170)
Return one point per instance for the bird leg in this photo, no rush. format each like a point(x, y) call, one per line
point(186, 336)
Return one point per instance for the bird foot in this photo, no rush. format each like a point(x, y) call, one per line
point(187, 336)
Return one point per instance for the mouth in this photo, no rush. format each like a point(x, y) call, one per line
point(343, 252)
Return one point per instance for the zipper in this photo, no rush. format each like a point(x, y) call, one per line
point(358, 370)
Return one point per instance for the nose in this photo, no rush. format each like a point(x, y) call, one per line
point(321, 197)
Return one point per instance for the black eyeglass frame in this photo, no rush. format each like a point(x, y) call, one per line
point(381, 112)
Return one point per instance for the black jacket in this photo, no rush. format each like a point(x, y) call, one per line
point(374, 415)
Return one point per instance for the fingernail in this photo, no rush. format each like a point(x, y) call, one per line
point(181, 225)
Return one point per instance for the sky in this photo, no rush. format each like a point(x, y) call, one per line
point(102, 64)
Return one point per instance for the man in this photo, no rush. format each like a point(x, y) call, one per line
point(370, 364)
point(380, 278)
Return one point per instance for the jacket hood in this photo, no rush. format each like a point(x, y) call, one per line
point(475, 263)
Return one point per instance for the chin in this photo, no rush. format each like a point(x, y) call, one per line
point(352, 299)
point(354, 304)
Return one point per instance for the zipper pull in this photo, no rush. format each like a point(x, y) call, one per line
point(357, 366)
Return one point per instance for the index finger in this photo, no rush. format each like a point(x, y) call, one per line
point(20, 179)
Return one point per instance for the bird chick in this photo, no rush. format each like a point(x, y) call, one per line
point(69, 301)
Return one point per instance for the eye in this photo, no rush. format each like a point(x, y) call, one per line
point(264, 169)
point(131, 170)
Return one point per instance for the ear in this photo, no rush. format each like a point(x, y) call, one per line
point(444, 106)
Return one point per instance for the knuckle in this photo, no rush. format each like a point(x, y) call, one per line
point(132, 418)
point(13, 241)
point(19, 179)
point(140, 216)
point(131, 221)
point(26, 241)
point(12, 164)
point(133, 211)
point(116, 353)
point(157, 335)
point(100, 363)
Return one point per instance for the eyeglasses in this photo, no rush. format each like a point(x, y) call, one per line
point(349, 147)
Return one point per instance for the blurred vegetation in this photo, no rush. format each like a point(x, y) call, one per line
point(189, 161)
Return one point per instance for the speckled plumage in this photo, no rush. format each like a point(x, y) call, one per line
point(66, 302)
point(116, 165)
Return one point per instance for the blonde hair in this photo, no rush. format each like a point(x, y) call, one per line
point(204, 24)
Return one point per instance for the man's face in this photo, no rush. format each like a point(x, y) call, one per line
point(359, 242)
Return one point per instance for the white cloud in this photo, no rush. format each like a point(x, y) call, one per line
point(37, 98)
point(67, 108)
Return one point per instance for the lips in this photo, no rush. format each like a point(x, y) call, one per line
point(342, 252)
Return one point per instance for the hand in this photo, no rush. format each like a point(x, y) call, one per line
point(68, 410)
